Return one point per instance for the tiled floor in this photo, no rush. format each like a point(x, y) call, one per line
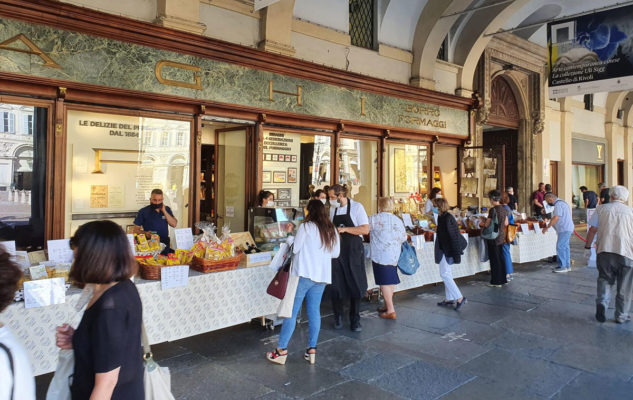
point(536, 338)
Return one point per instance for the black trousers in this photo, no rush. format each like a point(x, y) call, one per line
point(354, 309)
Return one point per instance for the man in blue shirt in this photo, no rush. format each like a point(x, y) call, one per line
point(156, 217)
point(590, 197)
point(564, 226)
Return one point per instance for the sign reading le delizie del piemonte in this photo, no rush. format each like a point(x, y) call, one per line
point(591, 53)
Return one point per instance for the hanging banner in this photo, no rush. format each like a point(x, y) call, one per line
point(591, 53)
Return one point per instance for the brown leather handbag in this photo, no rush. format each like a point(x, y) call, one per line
point(277, 287)
point(511, 233)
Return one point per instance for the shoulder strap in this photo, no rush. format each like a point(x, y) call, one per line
point(349, 205)
point(5, 348)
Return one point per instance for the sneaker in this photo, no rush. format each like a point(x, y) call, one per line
point(561, 269)
point(356, 327)
point(338, 322)
point(600, 310)
point(497, 286)
point(623, 320)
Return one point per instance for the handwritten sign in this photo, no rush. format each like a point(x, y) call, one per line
point(60, 251)
point(130, 238)
point(184, 238)
point(525, 228)
point(44, 292)
point(9, 246)
point(255, 259)
point(173, 277)
point(38, 272)
point(406, 218)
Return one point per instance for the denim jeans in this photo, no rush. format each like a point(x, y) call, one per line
point(312, 292)
point(508, 258)
point(562, 249)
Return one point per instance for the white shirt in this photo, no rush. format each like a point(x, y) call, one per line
point(24, 383)
point(428, 206)
point(614, 221)
point(357, 213)
point(386, 232)
point(312, 260)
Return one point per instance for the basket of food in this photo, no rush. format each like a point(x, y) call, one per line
point(150, 265)
point(213, 254)
point(148, 244)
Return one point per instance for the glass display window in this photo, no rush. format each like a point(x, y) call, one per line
point(295, 165)
point(115, 161)
point(23, 142)
point(358, 169)
point(408, 170)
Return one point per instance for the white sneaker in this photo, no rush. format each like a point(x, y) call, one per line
point(561, 270)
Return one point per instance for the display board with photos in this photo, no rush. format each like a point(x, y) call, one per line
point(482, 169)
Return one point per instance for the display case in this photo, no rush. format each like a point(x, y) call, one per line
point(271, 226)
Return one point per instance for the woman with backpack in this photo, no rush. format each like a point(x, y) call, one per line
point(386, 232)
point(449, 247)
point(495, 233)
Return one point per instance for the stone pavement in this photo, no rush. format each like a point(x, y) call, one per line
point(536, 338)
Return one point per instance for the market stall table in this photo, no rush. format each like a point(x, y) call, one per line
point(533, 246)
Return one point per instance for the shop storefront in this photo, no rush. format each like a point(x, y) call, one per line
point(96, 127)
point(588, 156)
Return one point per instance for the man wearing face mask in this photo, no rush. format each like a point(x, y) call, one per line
point(349, 279)
point(156, 217)
point(564, 226)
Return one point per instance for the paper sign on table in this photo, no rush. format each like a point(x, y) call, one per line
point(38, 272)
point(418, 241)
point(44, 292)
point(525, 228)
point(465, 235)
point(406, 218)
point(184, 238)
point(9, 246)
point(60, 251)
point(36, 257)
point(22, 258)
point(173, 277)
point(130, 238)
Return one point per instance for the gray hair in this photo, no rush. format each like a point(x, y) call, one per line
point(550, 196)
point(619, 192)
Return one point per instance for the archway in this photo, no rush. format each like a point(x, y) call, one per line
point(502, 127)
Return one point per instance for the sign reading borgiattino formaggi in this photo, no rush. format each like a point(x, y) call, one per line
point(48, 52)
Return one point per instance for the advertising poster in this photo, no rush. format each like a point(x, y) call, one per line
point(281, 165)
point(591, 53)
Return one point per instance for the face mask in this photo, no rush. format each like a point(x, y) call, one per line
point(436, 210)
point(438, 196)
point(324, 201)
point(156, 206)
point(335, 204)
point(270, 203)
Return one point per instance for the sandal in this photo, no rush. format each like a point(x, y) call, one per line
point(310, 357)
point(277, 357)
point(445, 303)
point(381, 309)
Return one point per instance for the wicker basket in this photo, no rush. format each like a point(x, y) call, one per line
point(150, 272)
point(207, 266)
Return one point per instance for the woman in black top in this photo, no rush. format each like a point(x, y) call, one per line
point(107, 342)
point(449, 247)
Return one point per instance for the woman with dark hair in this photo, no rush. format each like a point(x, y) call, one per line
point(265, 199)
point(449, 247)
point(320, 195)
point(495, 246)
point(316, 243)
point(436, 193)
point(507, 258)
point(16, 374)
point(107, 342)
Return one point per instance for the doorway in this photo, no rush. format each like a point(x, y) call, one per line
point(495, 137)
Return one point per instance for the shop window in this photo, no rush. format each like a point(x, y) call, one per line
point(408, 170)
point(28, 124)
point(362, 23)
point(113, 166)
point(358, 170)
point(181, 139)
point(23, 178)
point(231, 179)
point(8, 122)
point(295, 165)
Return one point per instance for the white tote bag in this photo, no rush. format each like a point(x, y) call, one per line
point(285, 306)
point(156, 379)
point(59, 388)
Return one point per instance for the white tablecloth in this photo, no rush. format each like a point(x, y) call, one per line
point(533, 246)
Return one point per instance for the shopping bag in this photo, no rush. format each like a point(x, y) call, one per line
point(511, 233)
point(282, 254)
point(408, 262)
point(287, 303)
point(492, 231)
point(277, 287)
point(156, 379)
point(483, 250)
point(59, 388)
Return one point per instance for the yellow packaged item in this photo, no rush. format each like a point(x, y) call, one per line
point(154, 242)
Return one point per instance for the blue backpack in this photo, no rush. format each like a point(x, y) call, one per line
point(408, 262)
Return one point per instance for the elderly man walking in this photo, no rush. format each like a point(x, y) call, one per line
point(564, 226)
point(613, 222)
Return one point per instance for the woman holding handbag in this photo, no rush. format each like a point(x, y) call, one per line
point(507, 258)
point(449, 247)
point(386, 233)
point(315, 245)
point(107, 342)
point(495, 226)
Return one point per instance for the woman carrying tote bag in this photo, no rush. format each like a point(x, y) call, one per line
point(316, 243)
point(449, 247)
point(107, 342)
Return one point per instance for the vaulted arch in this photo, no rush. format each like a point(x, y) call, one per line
point(614, 103)
point(627, 109)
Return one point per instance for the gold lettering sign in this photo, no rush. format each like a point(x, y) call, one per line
point(48, 62)
point(197, 81)
point(272, 91)
point(422, 116)
point(599, 148)
point(362, 106)
point(99, 160)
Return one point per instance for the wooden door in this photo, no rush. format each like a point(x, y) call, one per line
point(553, 176)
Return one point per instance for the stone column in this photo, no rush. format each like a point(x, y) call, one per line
point(565, 166)
point(628, 159)
point(612, 131)
point(183, 15)
point(276, 28)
